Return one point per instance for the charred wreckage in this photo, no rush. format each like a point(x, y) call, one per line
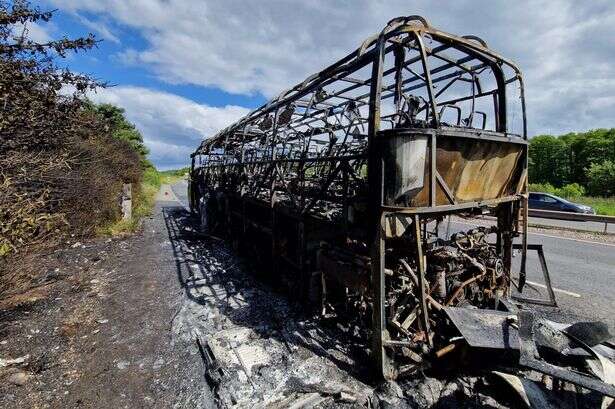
point(340, 187)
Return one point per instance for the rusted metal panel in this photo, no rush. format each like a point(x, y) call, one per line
point(476, 170)
point(471, 169)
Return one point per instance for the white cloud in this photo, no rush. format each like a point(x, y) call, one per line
point(267, 46)
point(99, 28)
point(172, 126)
point(34, 31)
point(564, 48)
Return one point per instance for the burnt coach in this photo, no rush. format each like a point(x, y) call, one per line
point(343, 188)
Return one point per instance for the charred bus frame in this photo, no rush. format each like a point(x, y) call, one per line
point(343, 177)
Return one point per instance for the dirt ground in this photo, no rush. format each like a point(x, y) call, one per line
point(171, 318)
point(96, 332)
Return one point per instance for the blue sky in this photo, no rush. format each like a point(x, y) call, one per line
point(105, 63)
point(184, 69)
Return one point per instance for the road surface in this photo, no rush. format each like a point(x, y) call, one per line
point(569, 224)
point(582, 271)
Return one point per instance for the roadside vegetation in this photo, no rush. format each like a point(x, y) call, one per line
point(145, 191)
point(577, 166)
point(63, 159)
point(172, 176)
point(143, 198)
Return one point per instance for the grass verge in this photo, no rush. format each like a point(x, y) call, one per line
point(169, 177)
point(602, 205)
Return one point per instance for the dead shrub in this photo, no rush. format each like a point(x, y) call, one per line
point(61, 168)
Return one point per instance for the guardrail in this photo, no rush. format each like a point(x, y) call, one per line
point(579, 217)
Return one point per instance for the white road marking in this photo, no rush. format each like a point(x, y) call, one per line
point(558, 290)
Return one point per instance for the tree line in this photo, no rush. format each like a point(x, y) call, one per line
point(576, 163)
point(63, 159)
